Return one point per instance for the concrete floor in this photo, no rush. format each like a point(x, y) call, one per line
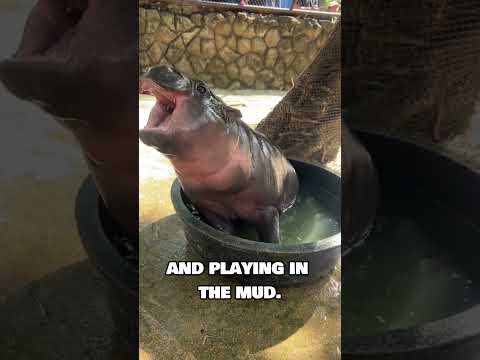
point(176, 324)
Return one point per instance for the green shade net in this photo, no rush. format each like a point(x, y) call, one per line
point(306, 122)
point(411, 67)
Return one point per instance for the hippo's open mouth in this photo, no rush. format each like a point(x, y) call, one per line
point(161, 114)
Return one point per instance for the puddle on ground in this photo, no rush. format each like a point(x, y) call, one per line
point(408, 272)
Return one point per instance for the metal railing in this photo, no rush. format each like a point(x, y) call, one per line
point(313, 5)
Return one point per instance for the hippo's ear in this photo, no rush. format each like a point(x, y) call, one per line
point(233, 113)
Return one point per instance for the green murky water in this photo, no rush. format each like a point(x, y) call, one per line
point(419, 265)
point(309, 220)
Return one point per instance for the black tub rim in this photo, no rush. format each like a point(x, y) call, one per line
point(98, 246)
point(434, 335)
point(451, 330)
point(428, 147)
point(238, 243)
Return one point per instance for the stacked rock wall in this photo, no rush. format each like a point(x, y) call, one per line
point(230, 49)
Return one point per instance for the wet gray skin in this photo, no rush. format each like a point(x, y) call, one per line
point(227, 170)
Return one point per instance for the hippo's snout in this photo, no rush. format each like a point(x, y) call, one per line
point(168, 78)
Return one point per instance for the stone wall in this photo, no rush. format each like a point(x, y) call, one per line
point(230, 49)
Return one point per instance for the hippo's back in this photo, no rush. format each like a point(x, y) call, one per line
point(273, 177)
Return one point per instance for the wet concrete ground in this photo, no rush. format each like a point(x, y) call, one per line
point(176, 324)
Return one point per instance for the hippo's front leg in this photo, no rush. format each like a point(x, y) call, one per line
point(268, 225)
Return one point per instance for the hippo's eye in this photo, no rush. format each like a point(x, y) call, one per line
point(201, 89)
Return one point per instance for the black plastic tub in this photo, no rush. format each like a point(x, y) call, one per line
point(441, 197)
point(214, 245)
point(95, 229)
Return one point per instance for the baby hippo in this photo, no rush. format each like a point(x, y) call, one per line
point(228, 171)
